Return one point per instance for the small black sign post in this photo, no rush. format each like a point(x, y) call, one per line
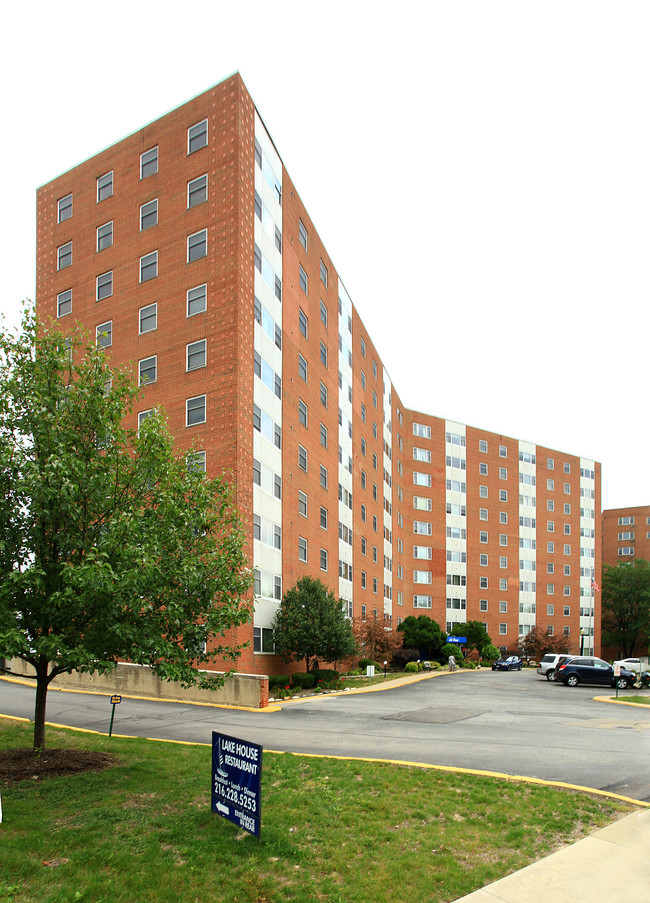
point(115, 700)
point(237, 781)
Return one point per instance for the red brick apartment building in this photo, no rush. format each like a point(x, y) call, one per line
point(626, 534)
point(187, 250)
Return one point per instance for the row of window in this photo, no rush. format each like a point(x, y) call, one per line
point(195, 413)
point(303, 238)
point(196, 301)
point(197, 137)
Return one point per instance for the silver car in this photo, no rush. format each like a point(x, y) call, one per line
point(550, 663)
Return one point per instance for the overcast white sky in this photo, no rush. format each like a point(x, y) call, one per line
point(478, 171)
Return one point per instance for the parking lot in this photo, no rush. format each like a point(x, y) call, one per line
point(507, 722)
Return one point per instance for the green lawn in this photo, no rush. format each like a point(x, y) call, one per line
point(642, 700)
point(356, 832)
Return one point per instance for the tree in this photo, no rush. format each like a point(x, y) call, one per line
point(476, 634)
point(310, 624)
point(536, 643)
point(490, 653)
point(424, 634)
point(375, 638)
point(111, 548)
point(626, 604)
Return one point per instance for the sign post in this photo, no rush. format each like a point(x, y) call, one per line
point(237, 781)
point(115, 700)
point(617, 674)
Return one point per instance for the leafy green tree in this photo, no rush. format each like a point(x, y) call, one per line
point(310, 624)
point(626, 605)
point(477, 636)
point(490, 653)
point(423, 633)
point(111, 547)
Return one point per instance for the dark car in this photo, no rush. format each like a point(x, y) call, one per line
point(512, 663)
point(582, 669)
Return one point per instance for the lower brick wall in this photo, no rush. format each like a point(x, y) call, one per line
point(249, 690)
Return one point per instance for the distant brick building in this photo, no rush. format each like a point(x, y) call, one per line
point(186, 249)
point(626, 534)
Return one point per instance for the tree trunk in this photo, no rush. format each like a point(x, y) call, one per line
point(42, 683)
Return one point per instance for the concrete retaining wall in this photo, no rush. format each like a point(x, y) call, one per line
point(249, 690)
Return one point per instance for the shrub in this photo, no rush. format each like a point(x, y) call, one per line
point(411, 666)
point(436, 666)
point(303, 681)
point(364, 662)
point(404, 655)
point(278, 680)
point(325, 676)
point(467, 664)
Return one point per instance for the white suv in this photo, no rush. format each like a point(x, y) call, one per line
point(550, 663)
point(632, 664)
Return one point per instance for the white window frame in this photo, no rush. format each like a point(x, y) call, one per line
point(151, 310)
point(187, 410)
point(144, 163)
point(195, 132)
point(192, 349)
point(147, 262)
point(193, 300)
point(198, 242)
point(191, 191)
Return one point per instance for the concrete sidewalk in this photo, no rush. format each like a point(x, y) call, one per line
point(611, 864)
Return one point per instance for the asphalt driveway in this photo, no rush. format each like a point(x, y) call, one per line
point(507, 722)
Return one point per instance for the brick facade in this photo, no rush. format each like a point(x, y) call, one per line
point(284, 345)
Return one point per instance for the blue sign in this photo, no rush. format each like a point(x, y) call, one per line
point(237, 781)
point(457, 639)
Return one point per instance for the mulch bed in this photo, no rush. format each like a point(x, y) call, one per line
point(22, 765)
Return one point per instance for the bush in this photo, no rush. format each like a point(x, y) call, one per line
point(364, 662)
point(404, 655)
point(411, 667)
point(468, 664)
point(436, 666)
point(279, 680)
point(303, 681)
point(325, 676)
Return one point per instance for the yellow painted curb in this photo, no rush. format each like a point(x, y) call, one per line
point(636, 705)
point(512, 778)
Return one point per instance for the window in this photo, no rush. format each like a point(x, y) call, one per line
point(64, 208)
point(105, 186)
point(302, 322)
point(567, 488)
point(503, 495)
point(323, 394)
point(363, 347)
point(550, 590)
point(567, 529)
point(302, 458)
point(302, 234)
point(323, 476)
point(363, 512)
point(503, 517)
point(503, 629)
point(196, 462)
point(143, 415)
point(483, 514)
point(323, 314)
point(302, 549)
point(483, 582)
point(149, 266)
point(483, 560)
point(302, 412)
point(323, 518)
point(503, 473)
point(197, 245)
point(302, 278)
point(482, 445)
point(503, 606)
point(550, 526)
point(149, 215)
point(147, 371)
point(482, 468)
point(550, 485)
point(195, 410)
point(567, 508)
point(197, 136)
point(302, 368)
point(483, 537)
point(323, 559)
point(302, 503)
point(323, 274)
point(196, 354)
point(550, 505)
point(323, 354)
point(323, 435)
point(503, 539)
point(64, 303)
point(148, 318)
point(483, 492)
point(550, 567)
point(149, 163)
point(104, 334)
point(503, 451)
point(197, 191)
point(503, 562)
point(503, 584)
point(567, 590)
point(197, 300)
point(64, 256)
point(104, 286)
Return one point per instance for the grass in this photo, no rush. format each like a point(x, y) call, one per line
point(642, 700)
point(332, 830)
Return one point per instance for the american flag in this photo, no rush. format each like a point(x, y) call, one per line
point(594, 585)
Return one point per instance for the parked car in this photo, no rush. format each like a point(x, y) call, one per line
point(550, 663)
point(512, 663)
point(589, 670)
point(632, 664)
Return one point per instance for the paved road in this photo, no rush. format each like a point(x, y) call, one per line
point(514, 723)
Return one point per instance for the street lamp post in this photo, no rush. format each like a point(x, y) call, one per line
point(583, 634)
